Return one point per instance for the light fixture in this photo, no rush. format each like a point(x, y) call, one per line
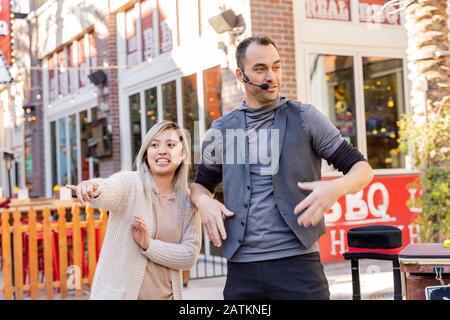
point(227, 20)
point(98, 77)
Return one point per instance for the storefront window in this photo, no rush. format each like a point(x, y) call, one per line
point(131, 36)
point(383, 99)
point(169, 92)
point(73, 75)
point(95, 168)
point(72, 121)
point(190, 116)
point(332, 89)
point(95, 115)
point(135, 124)
point(212, 88)
point(167, 22)
point(53, 153)
point(148, 37)
point(84, 145)
point(82, 62)
point(28, 157)
point(62, 151)
point(151, 107)
point(92, 50)
point(52, 76)
point(62, 85)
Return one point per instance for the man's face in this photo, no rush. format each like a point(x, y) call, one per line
point(261, 65)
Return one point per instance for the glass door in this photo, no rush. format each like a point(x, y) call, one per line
point(364, 96)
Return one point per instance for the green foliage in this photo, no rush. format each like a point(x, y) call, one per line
point(428, 143)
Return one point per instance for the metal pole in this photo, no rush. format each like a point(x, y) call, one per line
point(397, 280)
point(355, 280)
point(9, 182)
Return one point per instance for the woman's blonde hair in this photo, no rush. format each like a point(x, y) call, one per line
point(180, 179)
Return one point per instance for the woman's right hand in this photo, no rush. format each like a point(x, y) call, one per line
point(86, 190)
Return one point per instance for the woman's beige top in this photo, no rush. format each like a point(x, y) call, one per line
point(122, 263)
point(157, 284)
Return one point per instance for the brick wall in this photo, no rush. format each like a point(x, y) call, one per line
point(232, 93)
point(37, 127)
point(107, 51)
point(274, 18)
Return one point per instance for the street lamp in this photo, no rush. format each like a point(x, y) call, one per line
point(8, 157)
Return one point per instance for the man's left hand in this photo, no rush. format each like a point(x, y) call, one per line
point(324, 194)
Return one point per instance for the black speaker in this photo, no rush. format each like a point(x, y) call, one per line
point(98, 77)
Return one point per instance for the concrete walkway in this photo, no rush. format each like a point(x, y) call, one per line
point(376, 280)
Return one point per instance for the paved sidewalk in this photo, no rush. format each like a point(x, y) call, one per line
point(376, 280)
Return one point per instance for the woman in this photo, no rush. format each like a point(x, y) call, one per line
point(153, 232)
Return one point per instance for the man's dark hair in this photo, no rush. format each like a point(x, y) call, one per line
point(243, 45)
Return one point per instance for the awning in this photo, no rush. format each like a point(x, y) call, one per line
point(5, 76)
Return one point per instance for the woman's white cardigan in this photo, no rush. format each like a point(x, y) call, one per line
point(121, 265)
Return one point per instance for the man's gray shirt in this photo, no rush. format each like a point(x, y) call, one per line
point(267, 236)
point(264, 225)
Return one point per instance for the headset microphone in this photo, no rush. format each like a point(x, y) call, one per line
point(263, 86)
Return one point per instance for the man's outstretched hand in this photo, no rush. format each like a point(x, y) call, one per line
point(324, 194)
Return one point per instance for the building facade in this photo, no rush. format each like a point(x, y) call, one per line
point(163, 59)
point(15, 90)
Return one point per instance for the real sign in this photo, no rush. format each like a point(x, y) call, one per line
point(328, 9)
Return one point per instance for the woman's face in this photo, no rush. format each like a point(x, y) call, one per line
point(165, 153)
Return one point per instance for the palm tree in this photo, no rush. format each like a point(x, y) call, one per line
point(428, 130)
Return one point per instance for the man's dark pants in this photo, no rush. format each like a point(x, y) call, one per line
point(293, 278)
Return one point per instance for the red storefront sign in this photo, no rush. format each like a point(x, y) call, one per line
point(383, 201)
point(5, 29)
point(328, 9)
point(371, 11)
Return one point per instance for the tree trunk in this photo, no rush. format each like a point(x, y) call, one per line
point(428, 35)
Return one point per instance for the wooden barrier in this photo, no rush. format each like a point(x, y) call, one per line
point(66, 242)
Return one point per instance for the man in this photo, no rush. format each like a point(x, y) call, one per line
point(273, 212)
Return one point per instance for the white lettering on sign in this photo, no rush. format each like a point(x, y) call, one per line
point(412, 194)
point(381, 210)
point(414, 233)
point(374, 13)
point(358, 209)
point(337, 242)
point(335, 214)
point(4, 30)
point(327, 9)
